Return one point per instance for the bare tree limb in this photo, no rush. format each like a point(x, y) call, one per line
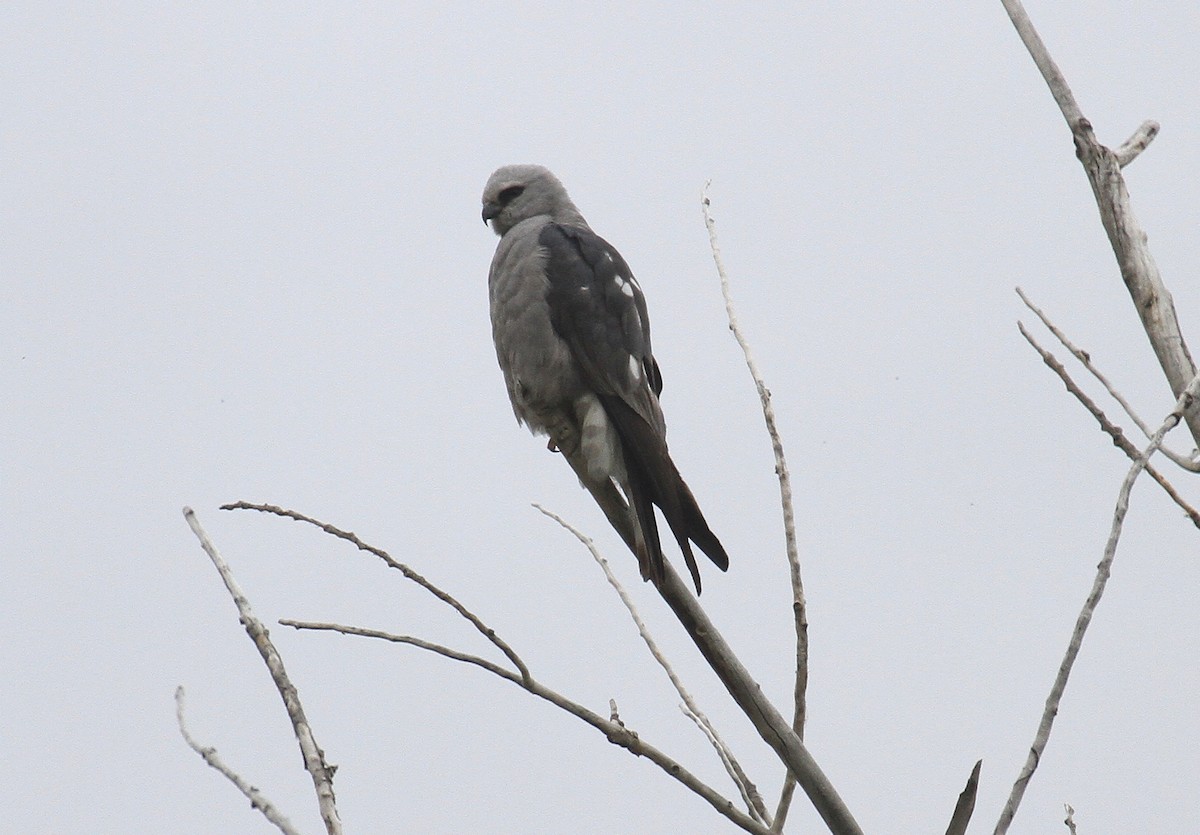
point(314, 758)
point(799, 608)
point(770, 724)
point(966, 803)
point(1103, 570)
point(613, 729)
point(1103, 168)
point(443, 596)
point(745, 691)
point(1086, 360)
point(1118, 437)
point(744, 785)
point(209, 755)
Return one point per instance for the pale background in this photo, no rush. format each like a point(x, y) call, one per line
point(242, 259)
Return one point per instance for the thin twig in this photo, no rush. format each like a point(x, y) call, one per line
point(615, 731)
point(1069, 820)
point(441, 595)
point(209, 755)
point(799, 609)
point(314, 758)
point(1103, 570)
point(1118, 437)
point(744, 785)
point(785, 802)
point(753, 803)
point(1086, 360)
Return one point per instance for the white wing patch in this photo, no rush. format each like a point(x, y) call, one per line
point(635, 368)
point(624, 286)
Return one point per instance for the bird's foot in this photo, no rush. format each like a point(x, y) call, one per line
point(564, 438)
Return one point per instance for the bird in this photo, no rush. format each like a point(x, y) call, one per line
point(572, 337)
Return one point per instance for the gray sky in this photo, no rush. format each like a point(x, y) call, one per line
point(243, 259)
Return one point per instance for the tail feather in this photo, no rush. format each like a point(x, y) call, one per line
point(649, 547)
point(653, 479)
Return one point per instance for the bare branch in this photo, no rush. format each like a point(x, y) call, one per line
point(785, 802)
point(1069, 820)
point(1045, 64)
point(743, 783)
point(443, 596)
point(966, 803)
point(209, 755)
point(1086, 359)
point(1150, 296)
point(753, 801)
point(799, 609)
point(314, 758)
point(771, 726)
point(1103, 570)
point(782, 739)
point(613, 729)
point(1134, 145)
point(1118, 436)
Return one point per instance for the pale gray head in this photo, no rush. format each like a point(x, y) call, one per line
point(518, 192)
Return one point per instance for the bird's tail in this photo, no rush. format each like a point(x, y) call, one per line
point(653, 479)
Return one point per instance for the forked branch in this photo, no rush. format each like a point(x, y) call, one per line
point(614, 730)
point(1103, 168)
point(1186, 402)
point(314, 758)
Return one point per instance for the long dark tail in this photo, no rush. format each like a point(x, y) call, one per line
point(655, 480)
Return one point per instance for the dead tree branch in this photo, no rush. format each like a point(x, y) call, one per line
point(1069, 820)
point(613, 729)
point(209, 755)
point(1086, 360)
point(966, 803)
point(1103, 168)
point(799, 608)
point(746, 692)
point(314, 758)
point(744, 785)
point(1118, 436)
point(1186, 402)
point(443, 596)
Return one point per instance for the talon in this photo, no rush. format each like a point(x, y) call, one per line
point(564, 438)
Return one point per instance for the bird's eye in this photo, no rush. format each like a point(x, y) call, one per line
point(510, 194)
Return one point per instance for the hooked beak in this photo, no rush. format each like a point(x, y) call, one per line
point(490, 210)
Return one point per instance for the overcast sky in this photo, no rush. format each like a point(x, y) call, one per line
point(242, 259)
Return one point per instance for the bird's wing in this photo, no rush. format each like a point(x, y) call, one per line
point(597, 308)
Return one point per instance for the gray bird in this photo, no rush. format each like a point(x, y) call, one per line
point(573, 340)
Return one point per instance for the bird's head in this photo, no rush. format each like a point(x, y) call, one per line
point(518, 192)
